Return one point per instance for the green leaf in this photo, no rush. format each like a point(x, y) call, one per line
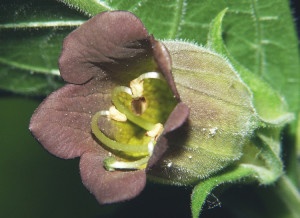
point(252, 29)
point(31, 35)
point(261, 161)
point(37, 14)
point(262, 154)
point(289, 195)
point(286, 192)
point(204, 188)
point(27, 82)
point(262, 47)
point(89, 7)
point(35, 50)
point(270, 106)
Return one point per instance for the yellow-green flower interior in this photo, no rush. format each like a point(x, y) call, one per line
point(135, 120)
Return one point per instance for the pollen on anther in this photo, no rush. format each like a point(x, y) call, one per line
point(116, 115)
point(156, 131)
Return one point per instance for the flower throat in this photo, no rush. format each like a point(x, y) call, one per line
point(137, 116)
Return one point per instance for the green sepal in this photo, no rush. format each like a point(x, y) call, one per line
point(221, 118)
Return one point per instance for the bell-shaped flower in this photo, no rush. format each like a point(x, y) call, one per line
point(119, 104)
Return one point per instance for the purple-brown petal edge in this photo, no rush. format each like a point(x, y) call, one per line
point(164, 62)
point(176, 119)
point(110, 187)
point(61, 123)
point(101, 40)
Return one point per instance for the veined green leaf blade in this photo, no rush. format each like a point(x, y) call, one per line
point(27, 82)
point(270, 106)
point(31, 35)
point(252, 31)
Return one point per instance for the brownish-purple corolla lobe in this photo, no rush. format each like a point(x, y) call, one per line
point(109, 50)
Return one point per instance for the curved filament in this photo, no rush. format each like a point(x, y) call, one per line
point(132, 150)
point(111, 164)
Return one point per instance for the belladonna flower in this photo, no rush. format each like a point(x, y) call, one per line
point(119, 104)
point(122, 115)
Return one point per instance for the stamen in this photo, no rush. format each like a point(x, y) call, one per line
point(121, 112)
point(137, 88)
point(112, 164)
point(138, 106)
point(132, 150)
point(151, 75)
point(136, 92)
point(104, 113)
point(136, 85)
point(156, 131)
point(128, 113)
point(116, 115)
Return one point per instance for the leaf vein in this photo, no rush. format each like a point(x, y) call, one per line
point(178, 17)
point(260, 53)
point(41, 24)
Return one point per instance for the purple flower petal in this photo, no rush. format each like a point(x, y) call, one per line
point(178, 116)
point(108, 186)
point(62, 122)
point(97, 46)
point(176, 119)
point(164, 63)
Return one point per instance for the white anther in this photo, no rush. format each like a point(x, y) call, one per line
point(137, 85)
point(156, 131)
point(116, 115)
point(137, 88)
